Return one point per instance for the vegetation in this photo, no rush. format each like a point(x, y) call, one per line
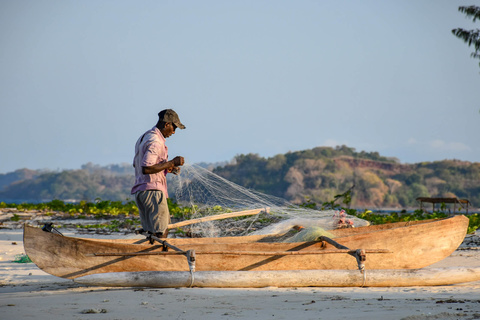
point(471, 37)
point(125, 215)
point(98, 208)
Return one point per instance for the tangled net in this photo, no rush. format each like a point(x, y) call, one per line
point(206, 193)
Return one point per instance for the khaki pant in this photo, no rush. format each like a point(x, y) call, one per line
point(153, 209)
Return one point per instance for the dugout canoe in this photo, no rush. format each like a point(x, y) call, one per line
point(402, 245)
point(286, 278)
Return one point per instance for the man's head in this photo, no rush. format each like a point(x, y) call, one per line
point(168, 121)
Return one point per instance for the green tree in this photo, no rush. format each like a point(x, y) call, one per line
point(472, 37)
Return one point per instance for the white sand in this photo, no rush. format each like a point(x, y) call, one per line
point(29, 293)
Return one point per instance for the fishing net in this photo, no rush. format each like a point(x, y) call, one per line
point(205, 193)
point(22, 258)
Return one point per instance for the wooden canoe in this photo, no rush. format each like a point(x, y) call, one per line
point(287, 278)
point(403, 245)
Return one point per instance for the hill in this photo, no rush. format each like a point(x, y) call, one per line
point(88, 183)
point(321, 173)
point(315, 175)
point(18, 175)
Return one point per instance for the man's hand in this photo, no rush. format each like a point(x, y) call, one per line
point(178, 161)
point(170, 166)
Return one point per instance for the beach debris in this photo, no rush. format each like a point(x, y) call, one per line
point(22, 258)
point(451, 301)
point(89, 311)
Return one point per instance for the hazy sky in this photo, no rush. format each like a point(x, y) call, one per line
point(80, 81)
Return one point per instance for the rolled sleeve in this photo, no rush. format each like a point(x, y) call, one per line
point(151, 155)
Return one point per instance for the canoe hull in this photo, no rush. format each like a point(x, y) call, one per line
point(303, 278)
point(411, 245)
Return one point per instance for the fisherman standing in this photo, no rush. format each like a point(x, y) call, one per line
point(151, 167)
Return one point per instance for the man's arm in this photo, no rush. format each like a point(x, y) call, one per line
point(169, 165)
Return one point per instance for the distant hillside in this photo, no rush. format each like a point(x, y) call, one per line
point(317, 175)
point(18, 175)
point(112, 182)
point(321, 173)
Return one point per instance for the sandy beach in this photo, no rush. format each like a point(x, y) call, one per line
point(26, 292)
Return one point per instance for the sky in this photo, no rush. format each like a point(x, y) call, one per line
point(80, 81)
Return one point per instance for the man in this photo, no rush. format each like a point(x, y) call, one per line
point(151, 167)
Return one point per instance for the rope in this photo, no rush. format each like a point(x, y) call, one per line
point(359, 254)
point(189, 254)
point(191, 265)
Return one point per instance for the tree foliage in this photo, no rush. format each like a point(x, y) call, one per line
point(471, 37)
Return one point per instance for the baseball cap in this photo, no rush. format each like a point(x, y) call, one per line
point(168, 115)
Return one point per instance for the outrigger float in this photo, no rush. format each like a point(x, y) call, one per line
point(380, 255)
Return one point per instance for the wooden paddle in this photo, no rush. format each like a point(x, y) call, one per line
point(218, 217)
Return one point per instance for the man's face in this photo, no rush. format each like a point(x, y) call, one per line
point(169, 129)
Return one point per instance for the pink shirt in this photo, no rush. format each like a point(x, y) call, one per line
point(150, 149)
